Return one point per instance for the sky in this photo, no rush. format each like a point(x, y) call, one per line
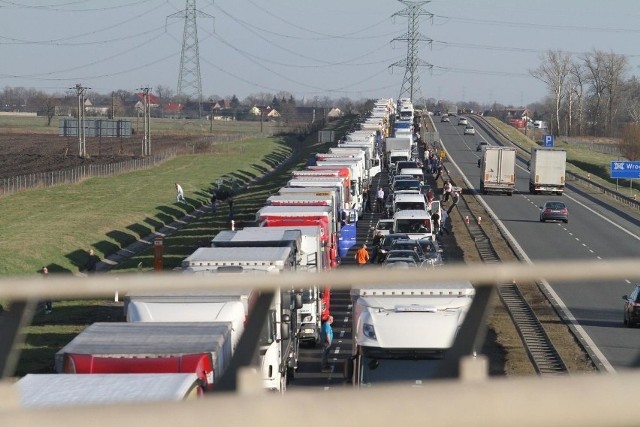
point(481, 50)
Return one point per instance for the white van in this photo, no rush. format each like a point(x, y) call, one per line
point(416, 173)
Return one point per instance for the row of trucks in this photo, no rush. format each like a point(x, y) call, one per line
point(547, 169)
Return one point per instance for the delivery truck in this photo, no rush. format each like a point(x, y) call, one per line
point(498, 170)
point(278, 343)
point(547, 169)
point(53, 390)
point(400, 333)
point(203, 348)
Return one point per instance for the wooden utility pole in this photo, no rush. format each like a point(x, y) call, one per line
point(146, 121)
point(82, 145)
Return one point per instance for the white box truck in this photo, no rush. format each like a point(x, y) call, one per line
point(498, 170)
point(547, 170)
point(400, 333)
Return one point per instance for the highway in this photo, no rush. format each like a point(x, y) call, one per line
point(596, 230)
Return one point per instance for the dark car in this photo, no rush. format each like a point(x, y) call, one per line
point(409, 245)
point(554, 211)
point(432, 252)
point(385, 245)
point(632, 307)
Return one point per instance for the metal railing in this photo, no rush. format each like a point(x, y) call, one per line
point(469, 399)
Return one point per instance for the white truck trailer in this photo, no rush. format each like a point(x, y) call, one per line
point(278, 339)
point(400, 333)
point(498, 170)
point(547, 169)
point(53, 390)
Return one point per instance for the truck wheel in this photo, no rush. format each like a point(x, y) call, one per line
point(510, 193)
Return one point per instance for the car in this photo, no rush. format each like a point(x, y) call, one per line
point(408, 245)
point(432, 252)
point(632, 307)
point(554, 211)
point(445, 119)
point(406, 184)
point(463, 121)
point(481, 145)
point(469, 130)
point(402, 255)
point(400, 263)
point(383, 226)
point(385, 245)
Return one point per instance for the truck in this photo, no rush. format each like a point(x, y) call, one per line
point(203, 348)
point(278, 339)
point(547, 170)
point(316, 300)
point(401, 333)
point(346, 207)
point(452, 110)
point(498, 170)
point(397, 149)
point(53, 390)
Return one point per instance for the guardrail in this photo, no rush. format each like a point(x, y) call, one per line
point(585, 181)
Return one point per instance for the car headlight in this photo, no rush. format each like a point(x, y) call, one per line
point(369, 331)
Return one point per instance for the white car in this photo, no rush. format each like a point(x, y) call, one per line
point(469, 130)
point(463, 121)
point(481, 145)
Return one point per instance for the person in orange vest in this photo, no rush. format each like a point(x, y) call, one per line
point(362, 256)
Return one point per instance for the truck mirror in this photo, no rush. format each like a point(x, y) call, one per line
point(285, 330)
point(297, 301)
point(286, 316)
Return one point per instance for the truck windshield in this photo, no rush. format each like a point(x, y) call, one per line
point(402, 206)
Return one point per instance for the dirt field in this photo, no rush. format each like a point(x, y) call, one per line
point(22, 154)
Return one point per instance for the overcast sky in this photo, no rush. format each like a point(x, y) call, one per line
point(482, 50)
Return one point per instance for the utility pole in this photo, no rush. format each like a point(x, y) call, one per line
point(411, 81)
point(189, 81)
point(82, 145)
point(146, 121)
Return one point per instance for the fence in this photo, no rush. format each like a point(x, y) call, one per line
point(31, 181)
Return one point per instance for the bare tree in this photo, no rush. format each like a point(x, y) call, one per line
point(631, 100)
point(165, 93)
point(630, 144)
point(47, 106)
point(553, 72)
point(615, 67)
point(595, 66)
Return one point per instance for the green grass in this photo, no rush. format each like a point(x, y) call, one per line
point(55, 226)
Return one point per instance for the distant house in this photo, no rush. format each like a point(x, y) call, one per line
point(172, 109)
point(518, 113)
point(267, 111)
point(223, 104)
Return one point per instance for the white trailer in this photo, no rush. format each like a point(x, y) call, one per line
point(547, 170)
point(278, 341)
point(399, 333)
point(53, 390)
point(498, 170)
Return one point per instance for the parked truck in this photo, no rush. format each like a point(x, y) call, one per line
point(306, 241)
point(278, 339)
point(53, 390)
point(203, 348)
point(400, 333)
point(498, 170)
point(547, 170)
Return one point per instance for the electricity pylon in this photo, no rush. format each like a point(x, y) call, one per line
point(411, 81)
point(189, 80)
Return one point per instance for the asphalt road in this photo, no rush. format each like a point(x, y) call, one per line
point(597, 231)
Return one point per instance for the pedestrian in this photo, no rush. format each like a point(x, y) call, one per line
point(179, 193)
point(435, 222)
point(365, 200)
point(326, 336)
point(455, 198)
point(377, 241)
point(214, 200)
point(380, 200)
point(439, 172)
point(446, 190)
point(430, 195)
point(230, 202)
point(48, 304)
point(362, 255)
point(444, 222)
point(92, 263)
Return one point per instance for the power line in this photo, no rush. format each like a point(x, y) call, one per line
point(411, 81)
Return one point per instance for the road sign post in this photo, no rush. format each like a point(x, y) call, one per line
point(625, 170)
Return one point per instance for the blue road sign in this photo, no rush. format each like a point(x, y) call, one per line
point(548, 140)
point(625, 170)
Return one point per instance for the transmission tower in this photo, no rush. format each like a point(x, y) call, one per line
point(189, 81)
point(411, 81)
